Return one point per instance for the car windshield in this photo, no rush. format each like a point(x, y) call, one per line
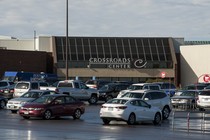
point(117, 101)
point(133, 95)
point(135, 87)
point(31, 94)
point(206, 93)
point(187, 93)
point(45, 99)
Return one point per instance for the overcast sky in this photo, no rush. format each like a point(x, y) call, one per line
point(109, 18)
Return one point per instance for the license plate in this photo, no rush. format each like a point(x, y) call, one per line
point(12, 106)
point(26, 112)
point(110, 108)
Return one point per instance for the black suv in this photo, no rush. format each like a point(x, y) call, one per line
point(111, 90)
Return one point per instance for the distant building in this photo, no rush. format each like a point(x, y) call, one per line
point(137, 59)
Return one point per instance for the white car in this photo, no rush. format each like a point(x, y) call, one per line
point(139, 86)
point(24, 86)
point(156, 98)
point(203, 100)
point(129, 110)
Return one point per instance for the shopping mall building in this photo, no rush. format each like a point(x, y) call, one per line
point(137, 59)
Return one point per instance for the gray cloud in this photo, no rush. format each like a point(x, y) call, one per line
point(188, 18)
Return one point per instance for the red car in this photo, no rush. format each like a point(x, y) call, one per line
point(56, 105)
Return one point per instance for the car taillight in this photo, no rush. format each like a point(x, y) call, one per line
point(121, 107)
point(95, 86)
point(56, 90)
point(12, 91)
point(103, 106)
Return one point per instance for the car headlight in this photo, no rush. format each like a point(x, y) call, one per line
point(22, 103)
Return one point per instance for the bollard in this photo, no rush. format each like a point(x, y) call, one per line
point(173, 120)
point(188, 122)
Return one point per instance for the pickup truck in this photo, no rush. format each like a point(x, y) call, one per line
point(78, 90)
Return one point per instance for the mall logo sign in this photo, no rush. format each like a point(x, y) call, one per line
point(116, 63)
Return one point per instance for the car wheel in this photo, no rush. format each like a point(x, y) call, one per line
point(201, 109)
point(14, 111)
point(26, 117)
point(2, 104)
point(106, 121)
point(131, 119)
point(157, 119)
point(77, 114)
point(166, 112)
point(47, 115)
point(93, 99)
point(109, 98)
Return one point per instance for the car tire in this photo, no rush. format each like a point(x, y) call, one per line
point(93, 99)
point(47, 115)
point(166, 112)
point(157, 119)
point(201, 109)
point(14, 111)
point(77, 114)
point(2, 104)
point(109, 97)
point(106, 121)
point(26, 117)
point(131, 119)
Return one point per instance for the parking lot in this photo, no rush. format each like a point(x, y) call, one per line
point(91, 127)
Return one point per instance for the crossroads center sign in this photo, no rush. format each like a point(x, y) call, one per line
point(116, 63)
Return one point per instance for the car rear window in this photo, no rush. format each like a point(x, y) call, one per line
point(117, 101)
point(90, 82)
point(65, 84)
point(154, 87)
point(22, 86)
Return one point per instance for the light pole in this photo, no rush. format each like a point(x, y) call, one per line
point(67, 73)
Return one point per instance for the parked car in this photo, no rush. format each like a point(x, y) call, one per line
point(15, 103)
point(5, 84)
point(130, 111)
point(187, 98)
point(203, 101)
point(24, 86)
point(97, 84)
point(111, 90)
point(56, 105)
point(139, 86)
point(156, 98)
point(3, 102)
point(198, 87)
point(169, 88)
point(124, 82)
point(8, 91)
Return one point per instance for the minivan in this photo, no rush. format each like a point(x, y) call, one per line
point(24, 86)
